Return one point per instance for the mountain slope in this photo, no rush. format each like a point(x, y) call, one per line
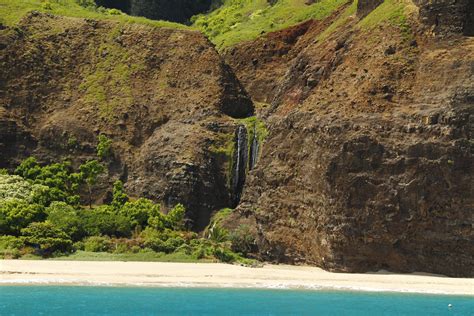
point(360, 159)
point(163, 96)
point(368, 163)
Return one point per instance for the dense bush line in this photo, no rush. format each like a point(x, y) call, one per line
point(41, 214)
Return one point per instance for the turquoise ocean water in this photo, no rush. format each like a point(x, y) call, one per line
point(64, 300)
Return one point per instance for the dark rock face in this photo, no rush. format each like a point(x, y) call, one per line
point(14, 140)
point(447, 17)
point(364, 7)
point(345, 197)
point(469, 22)
point(164, 97)
point(122, 5)
point(169, 10)
point(368, 163)
point(235, 101)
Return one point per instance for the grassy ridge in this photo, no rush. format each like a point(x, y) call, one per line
point(243, 20)
point(11, 12)
point(394, 12)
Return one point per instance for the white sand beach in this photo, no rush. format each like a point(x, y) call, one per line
point(24, 272)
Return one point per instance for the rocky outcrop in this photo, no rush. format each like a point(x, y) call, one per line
point(368, 164)
point(163, 96)
point(448, 17)
point(364, 7)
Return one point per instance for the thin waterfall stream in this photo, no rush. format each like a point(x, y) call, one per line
point(254, 148)
point(240, 164)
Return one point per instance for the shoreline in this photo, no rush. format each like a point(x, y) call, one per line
point(219, 275)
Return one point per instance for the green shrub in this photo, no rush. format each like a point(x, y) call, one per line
point(217, 234)
point(121, 248)
point(157, 222)
point(46, 238)
point(114, 12)
point(58, 182)
point(162, 241)
point(45, 195)
point(243, 240)
point(224, 255)
point(11, 242)
point(140, 211)
point(202, 248)
point(184, 248)
point(78, 245)
point(173, 243)
point(86, 3)
point(216, 221)
point(103, 220)
point(18, 214)
point(155, 244)
point(153, 239)
point(14, 187)
point(46, 5)
point(200, 252)
point(10, 253)
point(135, 249)
point(72, 142)
point(97, 244)
point(175, 217)
point(119, 198)
point(104, 147)
point(151, 233)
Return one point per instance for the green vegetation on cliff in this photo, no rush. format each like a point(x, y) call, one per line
point(11, 12)
point(243, 20)
point(393, 12)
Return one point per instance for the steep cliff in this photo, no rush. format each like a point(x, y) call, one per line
point(366, 159)
point(368, 162)
point(162, 95)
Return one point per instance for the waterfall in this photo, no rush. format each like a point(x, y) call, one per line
point(240, 163)
point(254, 147)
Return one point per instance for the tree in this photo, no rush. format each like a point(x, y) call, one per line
point(46, 237)
point(65, 218)
point(90, 173)
point(29, 168)
point(119, 197)
point(14, 187)
point(56, 182)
